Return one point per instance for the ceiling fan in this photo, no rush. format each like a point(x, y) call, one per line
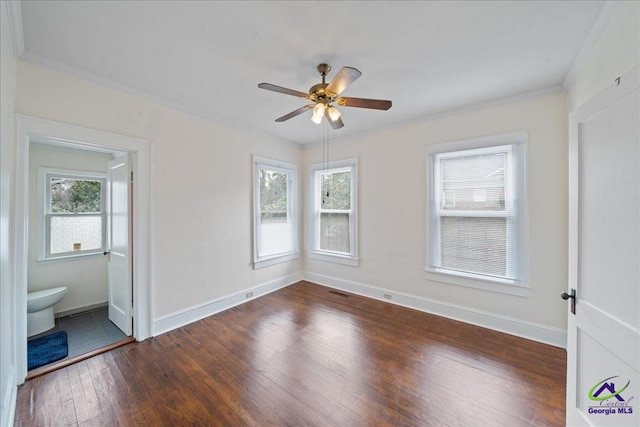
point(324, 94)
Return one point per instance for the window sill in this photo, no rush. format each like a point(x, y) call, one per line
point(274, 260)
point(77, 257)
point(338, 259)
point(503, 286)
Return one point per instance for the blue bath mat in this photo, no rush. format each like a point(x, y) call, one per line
point(47, 349)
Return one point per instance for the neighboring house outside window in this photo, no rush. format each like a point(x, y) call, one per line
point(72, 213)
point(334, 222)
point(476, 215)
point(275, 221)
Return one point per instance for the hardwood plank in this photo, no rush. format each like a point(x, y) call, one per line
point(135, 412)
point(84, 397)
point(257, 400)
point(66, 397)
point(305, 356)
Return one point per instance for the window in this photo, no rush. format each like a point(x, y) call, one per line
point(334, 212)
point(73, 213)
point(275, 224)
point(476, 220)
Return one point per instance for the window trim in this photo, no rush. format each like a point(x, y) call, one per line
point(315, 252)
point(44, 216)
point(292, 203)
point(520, 287)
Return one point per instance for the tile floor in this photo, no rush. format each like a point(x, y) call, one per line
point(87, 331)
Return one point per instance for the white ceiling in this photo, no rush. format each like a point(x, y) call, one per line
point(208, 57)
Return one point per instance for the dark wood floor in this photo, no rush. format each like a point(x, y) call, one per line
point(306, 356)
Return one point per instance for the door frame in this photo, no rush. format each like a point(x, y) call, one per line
point(31, 128)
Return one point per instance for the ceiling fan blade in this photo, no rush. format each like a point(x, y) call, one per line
point(344, 78)
point(335, 124)
point(376, 104)
point(295, 113)
point(280, 89)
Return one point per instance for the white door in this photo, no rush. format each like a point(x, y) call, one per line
point(603, 349)
point(119, 242)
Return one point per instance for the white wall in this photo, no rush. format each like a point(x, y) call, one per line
point(616, 51)
point(200, 178)
point(392, 208)
point(86, 277)
point(7, 137)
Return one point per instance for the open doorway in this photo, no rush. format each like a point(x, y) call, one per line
point(72, 195)
point(63, 138)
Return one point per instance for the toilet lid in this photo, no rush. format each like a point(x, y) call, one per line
point(45, 293)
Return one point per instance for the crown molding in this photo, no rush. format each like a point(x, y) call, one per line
point(602, 21)
point(498, 102)
point(77, 73)
point(14, 14)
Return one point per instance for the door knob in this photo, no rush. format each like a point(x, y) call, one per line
point(565, 296)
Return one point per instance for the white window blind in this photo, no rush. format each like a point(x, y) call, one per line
point(475, 222)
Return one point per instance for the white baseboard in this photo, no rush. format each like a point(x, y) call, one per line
point(9, 403)
point(529, 330)
point(192, 314)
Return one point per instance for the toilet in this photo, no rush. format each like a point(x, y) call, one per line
point(40, 309)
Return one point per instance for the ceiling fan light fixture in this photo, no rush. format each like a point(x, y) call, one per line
point(318, 113)
point(316, 119)
point(334, 113)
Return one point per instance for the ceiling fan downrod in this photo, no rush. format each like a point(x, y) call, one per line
point(317, 92)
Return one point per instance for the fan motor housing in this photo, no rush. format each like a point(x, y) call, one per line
point(319, 91)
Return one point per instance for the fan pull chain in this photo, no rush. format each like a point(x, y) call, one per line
point(326, 126)
point(325, 155)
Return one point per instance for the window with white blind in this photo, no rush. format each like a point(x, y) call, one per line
point(275, 223)
point(334, 212)
point(476, 216)
point(72, 207)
